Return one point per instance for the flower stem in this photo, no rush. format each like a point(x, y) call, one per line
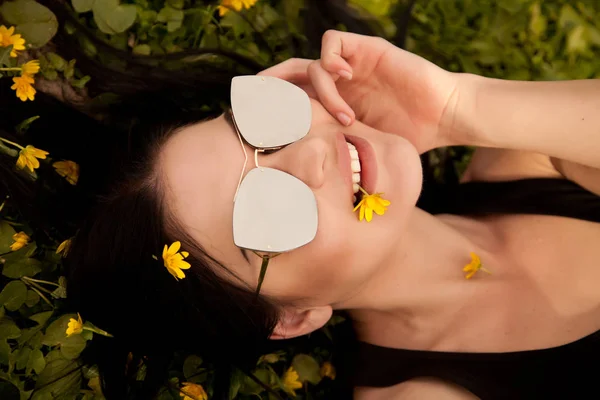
point(11, 143)
point(40, 281)
point(363, 190)
point(42, 296)
point(33, 284)
point(11, 69)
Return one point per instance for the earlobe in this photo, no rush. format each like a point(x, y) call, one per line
point(298, 322)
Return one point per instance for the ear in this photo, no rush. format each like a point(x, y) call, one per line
point(296, 322)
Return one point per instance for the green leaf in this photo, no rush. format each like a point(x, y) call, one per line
point(70, 69)
point(191, 366)
point(8, 391)
point(57, 62)
point(6, 230)
point(4, 352)
point(25, 124)
point(5, 55)
point(56, 333)
point(35, 22)
point(23, 357)
point(80, 83)
point(13, 295)
point(16, 268)
point(173, 18)
point(69, 378)
point(249, 387)
point(72, 346)
point(82, 6)
point(112, 17)
point(36, 362)
point(142, 49)
point(307, 368)
point(32, 298)
point(236, 383)
point(8, 329)
point(41, 318)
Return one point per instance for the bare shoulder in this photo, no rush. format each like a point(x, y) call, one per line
point(416, 389)
point(501, 164)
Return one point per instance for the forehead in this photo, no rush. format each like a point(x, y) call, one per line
point(199, 165)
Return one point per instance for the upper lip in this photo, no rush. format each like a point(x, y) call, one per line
point(368, 162)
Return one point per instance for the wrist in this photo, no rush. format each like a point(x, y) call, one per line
point(460, 122)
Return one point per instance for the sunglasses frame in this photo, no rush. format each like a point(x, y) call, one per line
point(266, 256)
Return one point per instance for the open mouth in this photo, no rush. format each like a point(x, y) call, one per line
point(356, 172)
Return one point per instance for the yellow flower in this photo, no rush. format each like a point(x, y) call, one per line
point(237, 5)
point(63, 248)
point(8, 38)
point(193, 389)
point(370, 203)
point(474, 266)
point(328, 370)
point(68, 169)
point(291, 382)
point(23, 87)
point(21, 239)
point(174, 260)
point(30, 68)
point(75, 326)
point(28, 157)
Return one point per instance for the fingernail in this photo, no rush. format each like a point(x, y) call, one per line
point(345, 74)
point(344, 118)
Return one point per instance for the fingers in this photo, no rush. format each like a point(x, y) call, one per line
point(325, 87)
point(292, 70)
point(335, 47)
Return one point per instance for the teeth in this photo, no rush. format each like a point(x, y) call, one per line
point(355, 167)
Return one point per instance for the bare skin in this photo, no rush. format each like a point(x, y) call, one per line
point(545, 290)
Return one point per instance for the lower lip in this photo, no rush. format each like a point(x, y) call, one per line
point(368, 163)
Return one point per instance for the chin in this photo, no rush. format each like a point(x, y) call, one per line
point(404, 179)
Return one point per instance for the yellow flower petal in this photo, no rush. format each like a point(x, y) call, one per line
point(68, 169)
point(23, 87)
point(371, 203)
point(30, 68)
point(193, 389)
point(75, 326)
point(21, 239)
point(8, 38)
point(174, 248)
point(63, 248)
point(291, 381)
point(327, 370)
point(28, 157)
point(173, 260)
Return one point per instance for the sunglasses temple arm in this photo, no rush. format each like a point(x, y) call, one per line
point(245, 161)
point(263, 271)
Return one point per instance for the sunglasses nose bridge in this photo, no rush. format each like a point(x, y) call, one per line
point(304, 159)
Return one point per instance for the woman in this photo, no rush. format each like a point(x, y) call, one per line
point(527, 209)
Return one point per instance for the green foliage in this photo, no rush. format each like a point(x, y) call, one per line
point(510, 39)
point(35, 22)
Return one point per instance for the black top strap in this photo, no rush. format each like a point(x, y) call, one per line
point(542, 196)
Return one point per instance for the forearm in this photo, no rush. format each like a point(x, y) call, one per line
point(560, 119)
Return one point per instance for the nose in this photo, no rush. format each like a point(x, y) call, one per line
point(304, 159)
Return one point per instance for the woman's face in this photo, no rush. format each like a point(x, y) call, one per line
point(201, 166)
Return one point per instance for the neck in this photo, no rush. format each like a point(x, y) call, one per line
point(422, 285)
